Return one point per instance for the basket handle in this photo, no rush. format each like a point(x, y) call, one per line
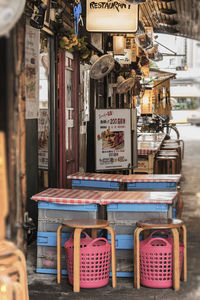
point(72, 235)
point(83, 232)
point(167, 233)
point(158, 239)
point(96, 240)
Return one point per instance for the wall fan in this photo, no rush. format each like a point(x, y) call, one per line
point(124, 85)
point(10, 12)
point(101, 66)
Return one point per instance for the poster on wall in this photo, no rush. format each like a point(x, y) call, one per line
point(113, 139)
point(43, 130)
point(32, 46)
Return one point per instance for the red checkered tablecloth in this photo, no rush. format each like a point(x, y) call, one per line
point(149, 143)
point(152, 178)
point(68, 196)
point(145, 148)
point(139, 197)
point(96, 176)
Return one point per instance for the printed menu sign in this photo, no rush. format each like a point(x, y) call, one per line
point(113, 139)
point(32, 42)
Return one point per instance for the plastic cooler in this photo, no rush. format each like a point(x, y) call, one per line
point(95, 261)
point(156, 261)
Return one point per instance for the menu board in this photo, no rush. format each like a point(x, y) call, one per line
point(113, 139)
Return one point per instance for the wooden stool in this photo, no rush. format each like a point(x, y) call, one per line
point(171, 153)
point(13, 265)
point(176, 147)
point(170, 224)
point(180, 142)
point(79, 225)
point(8, 287)
point(169, 160)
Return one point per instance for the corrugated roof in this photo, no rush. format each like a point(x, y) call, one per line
point(179, 17)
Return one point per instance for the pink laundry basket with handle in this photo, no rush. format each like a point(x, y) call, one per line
point(95, 260)
point(156, 261)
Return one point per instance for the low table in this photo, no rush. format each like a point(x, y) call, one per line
point(148, 145)
point(97, 181)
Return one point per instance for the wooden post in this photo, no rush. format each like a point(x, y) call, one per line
point(3, 186)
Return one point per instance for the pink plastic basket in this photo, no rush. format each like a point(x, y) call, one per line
point(95, 259)
point(156, 261)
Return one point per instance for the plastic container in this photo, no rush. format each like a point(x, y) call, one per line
point(95, 260)
point(156, 261)
point(98, 185)
point(50, 215)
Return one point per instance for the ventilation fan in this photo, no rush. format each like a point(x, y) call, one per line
point(101, 66)
point(10, 12)
point(124, 85)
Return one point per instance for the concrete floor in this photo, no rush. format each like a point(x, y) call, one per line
point(45, 287)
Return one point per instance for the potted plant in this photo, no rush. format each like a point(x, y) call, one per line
point(70, 42)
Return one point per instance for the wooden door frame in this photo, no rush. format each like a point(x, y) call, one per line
point(62, 126)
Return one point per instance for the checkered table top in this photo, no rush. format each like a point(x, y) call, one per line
point(145, 148)
point(139, 197)
point(96, 176)
point(151, 137)
point(149, 143)
point(152, 178)
point(68, 196)
point(127, 178)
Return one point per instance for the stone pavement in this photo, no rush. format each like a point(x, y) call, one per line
point(44, 287)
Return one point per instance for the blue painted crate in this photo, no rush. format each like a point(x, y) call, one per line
point(139, 207)
point(123, 274)
point(56, 206)
point(49, 271)
point(132, 186)
point(50, 215)
point(50, 238)
point(96, 185)
point(123, 241)
point(64, 272)
point(123, 216)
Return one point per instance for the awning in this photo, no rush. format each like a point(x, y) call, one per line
point(160, 75)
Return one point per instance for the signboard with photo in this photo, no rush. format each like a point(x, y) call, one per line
point(113, 139)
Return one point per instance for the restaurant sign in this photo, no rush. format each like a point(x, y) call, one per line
point(113, 139)
point(111, 16)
